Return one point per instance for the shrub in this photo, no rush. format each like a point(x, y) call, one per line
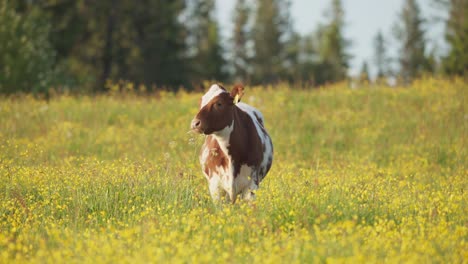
point(26, 56)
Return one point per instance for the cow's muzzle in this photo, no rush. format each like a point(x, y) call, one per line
point(196, 125)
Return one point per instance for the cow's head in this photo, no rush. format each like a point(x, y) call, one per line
point(216, 109)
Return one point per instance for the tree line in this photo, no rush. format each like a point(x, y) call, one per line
point(160, 44)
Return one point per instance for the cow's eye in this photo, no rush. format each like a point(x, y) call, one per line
point(219, 104)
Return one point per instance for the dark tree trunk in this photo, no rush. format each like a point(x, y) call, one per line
point(108, 46)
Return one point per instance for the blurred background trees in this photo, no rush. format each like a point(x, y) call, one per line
point(456, 34)
point(381, 59)
point(27, 57)
point(240, 42)
point(413, 60)
point(269, 32)
point(85, 45)
point(206, 52)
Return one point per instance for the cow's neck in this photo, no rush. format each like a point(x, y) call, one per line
point(223, 137)
point(233, 139)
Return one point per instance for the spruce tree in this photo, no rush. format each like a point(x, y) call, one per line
point(456, 62)
point(364, 75)
point(240, 40)
point(381, 60)
point(333, 45)
point(269, 29)
point(409, 32)
point(208, 62)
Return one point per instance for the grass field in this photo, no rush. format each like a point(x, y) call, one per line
point(369, 175)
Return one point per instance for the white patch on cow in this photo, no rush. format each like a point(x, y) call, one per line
point(252, 111)
point(221, 182)
point(214, 91)
point(223, 137)
point(267, 153)
point(214, 186)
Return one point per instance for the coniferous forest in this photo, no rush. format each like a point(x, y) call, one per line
point(86, 45)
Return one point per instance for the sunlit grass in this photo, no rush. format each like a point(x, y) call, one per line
point(373, 174)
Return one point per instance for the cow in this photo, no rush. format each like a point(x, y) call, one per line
point(237, 152)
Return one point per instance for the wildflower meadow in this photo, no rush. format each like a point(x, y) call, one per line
point(371, 174)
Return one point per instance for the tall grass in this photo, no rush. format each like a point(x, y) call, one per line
point(374, 174)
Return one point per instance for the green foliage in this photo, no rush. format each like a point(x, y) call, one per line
point(320, 57)
point(240, 39)
point(208, 62)
point(26, 56)
point(294, 51)
point(281, 54)
point(381, 59)
point(364, 74)
point(410, 33)
point(456, 62)
point(333, 45)
point(118, 39)
point(160, 44)
point(269, 30)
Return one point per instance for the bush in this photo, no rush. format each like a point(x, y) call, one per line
point(27, 58)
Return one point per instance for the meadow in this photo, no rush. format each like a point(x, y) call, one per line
point(373, 174)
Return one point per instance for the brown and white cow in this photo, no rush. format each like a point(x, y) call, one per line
point(238, 152)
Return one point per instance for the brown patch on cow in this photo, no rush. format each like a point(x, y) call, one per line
point(245, 145)
point(216, 156)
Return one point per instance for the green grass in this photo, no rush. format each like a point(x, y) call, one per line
point(374, 174)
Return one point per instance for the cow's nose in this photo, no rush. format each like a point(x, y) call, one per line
point(196, 123)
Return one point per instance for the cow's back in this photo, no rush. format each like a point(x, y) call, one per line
point(252, 111)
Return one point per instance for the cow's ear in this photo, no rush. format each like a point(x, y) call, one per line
point(237, 92)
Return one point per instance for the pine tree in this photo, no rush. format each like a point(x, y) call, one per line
point(105, 40)
point(158, 38)
point(333, 45)
point(381, 60)
point(292, 58)
point(410, 33)
point(456, 62)
point(292, 47)
point(208, 62)
point(271, 22)
point(310, 61)
point(240, 39)
point(364, 75)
